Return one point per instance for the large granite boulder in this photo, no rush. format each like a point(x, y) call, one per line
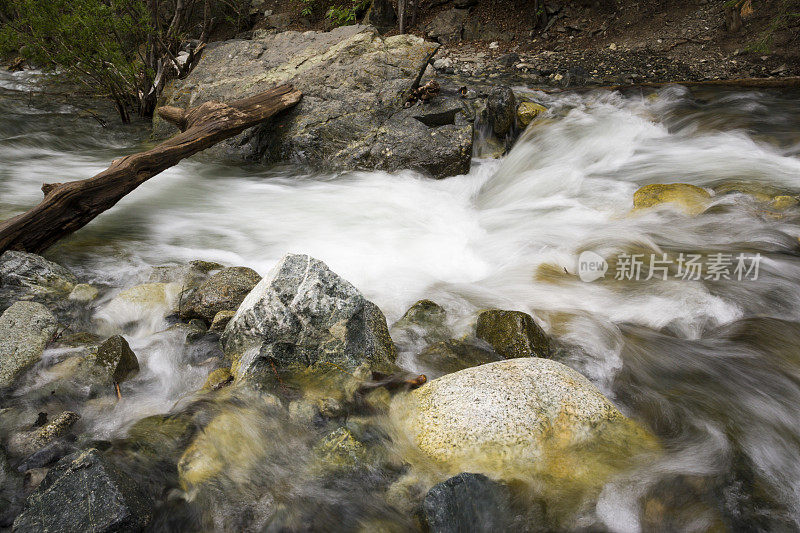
point(303, 314)
point(519, 420)
point(25, 330)
point(85, 492)
point(352, 114)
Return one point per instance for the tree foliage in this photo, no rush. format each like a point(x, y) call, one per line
point(125, 49)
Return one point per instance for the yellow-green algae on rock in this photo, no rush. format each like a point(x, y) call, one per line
point(528, 420)
point(691, 199)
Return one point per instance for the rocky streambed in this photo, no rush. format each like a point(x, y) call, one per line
point(302, 391)
point(238, 346)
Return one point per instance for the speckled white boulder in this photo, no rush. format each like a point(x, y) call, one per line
point(517, 419)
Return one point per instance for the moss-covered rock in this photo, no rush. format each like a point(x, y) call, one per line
point(424, 321)
point(221, 320)
point(217, 379)
point(690, 199)
point(527, 113)
point(512, 334)
point(161, 436)
point(340, 450)
point(222, 291)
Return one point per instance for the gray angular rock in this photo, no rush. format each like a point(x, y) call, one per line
point(501, 107)
point(34, 272)
point(116, 358)
point(85, 492)
point(223, 291)
point(447, 26)
point(513, 334)
point(25, 330)
point(467, 502)
point(352, 114)
point(302, 314)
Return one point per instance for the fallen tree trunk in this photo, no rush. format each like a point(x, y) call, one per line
point(67, 207)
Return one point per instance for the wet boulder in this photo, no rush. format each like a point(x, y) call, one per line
point(520, 420)
point(512, 334)
point(352, 114)
point(527, 112)
point(467, 502)
point(146, 302)
point(35, 273)
point(425, 321)
point(25, 444)
point(25, 330)
point(501, 108)
point(690, 199)
point(115, 358)
point(85, 492)
point(302, 314)
point(83, 293)
point(223, 291)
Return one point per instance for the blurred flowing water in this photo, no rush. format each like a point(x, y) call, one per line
point(711, 366)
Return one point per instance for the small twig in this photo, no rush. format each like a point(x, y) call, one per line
point(116, 387)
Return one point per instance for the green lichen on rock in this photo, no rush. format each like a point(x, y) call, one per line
point(217, 379)
point(161, 436)
point(690, 199)
point(512, 334)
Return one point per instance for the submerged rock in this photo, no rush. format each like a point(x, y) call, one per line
point(425, 321)
point(519, 420)
point(25, 330)
point(162, 436)
point(690, 199)
point(10, 492)
point(217, 379)
point(83, 292)
point(35, 273)
point(223, 291)
point(352, 114)
point(303, 314)
point(85, 492)
point(454, 354)
point(512, 334)
point(146, 302)
point(467, 502)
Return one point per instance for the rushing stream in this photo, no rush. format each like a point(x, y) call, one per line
point(711, 366)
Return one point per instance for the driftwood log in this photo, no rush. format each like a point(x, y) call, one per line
point(67, 207)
